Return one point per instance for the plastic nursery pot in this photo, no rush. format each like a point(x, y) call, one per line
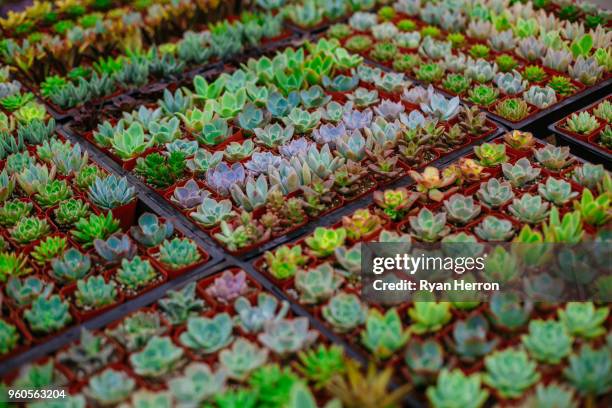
point(126, 214)
point(253, 289)
point(260, 265)
point(162, 278)
point(68, 294)
point(170, 273)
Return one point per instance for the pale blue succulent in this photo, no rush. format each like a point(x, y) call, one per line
point(329, 133)
point(111, 192)
point(531, 49)
point(389, 110)
point(296, 147)
point(189, 195)
point(384, 31)
point(416, 95)
point(204, 160)
point(439, 107)
point(341, 83)
point(455, 63)
point(210, 213)
point(434, 49)
point(354, 119)
point(314, 97)
point(481, 71)
point(332, 112)
point(408, 40)
point(368, 74)
point(510, 83)
point(251, 117)
point(187, 147)
point(261, 162)
point(362, 97)
point(222, 177)
point(542, 97)
point(452, 20)
point(382, 133)
point(363, 21)
point(115, 248)
point(321, 162)
point(351, 146)
point(413, 120)
point(392, 82)
point(165, 131)
point(503, 41)
point(290, 176)
point(254, 195)
point(279, 106)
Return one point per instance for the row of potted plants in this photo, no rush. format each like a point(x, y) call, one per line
point(286, 139)
point(512, 63)
point(66, 86)
point(222, 341)
point(315, 14)
point(36, 48)
point(41, 20)
point(590, 14)
point(506, 349)
point(72, 241)
point(590, 125)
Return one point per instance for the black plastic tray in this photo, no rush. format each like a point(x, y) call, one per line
point(582, 148)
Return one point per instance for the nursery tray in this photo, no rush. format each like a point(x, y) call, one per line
point(539, 121)
point(582, 147)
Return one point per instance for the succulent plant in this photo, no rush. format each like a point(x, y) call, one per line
point(384, 334)
point(23, 291)
point(285, 336)
point(274, 135)
point(490, 154)
point(52, 193)
point(554, 158)
point(454, 388)
point(301, 120)
point(428, 227)
point(94, 293)
point(115, 248)
point(207, 335)
point(530, 209)
point(222, 177)
point(70, 211)
point(583, 319)
point(9, 336)
point(589, 175)
point(210, 212)
point(510, 372)
point(73, 265)
point(135, 330)
point(594, 210)
point(86, 230)
point(135, 273)
point(432, 182)
point(480, 71)
point(317, 284)
point(603, 111)
point(324, 241)
point(251, 319)
point(255, 194)
point(159, 357)
point(557, 191)
point(562, 85)
point(344, 312)
point(321, 364)
point(395, 203)
point(470, 339)
point(429, 316)
point(228, 286)
point(506, 63)
point(483, 95)
point(461, 209)
point(110, 387)
point(429, 73)
point(541, 97)
point(180, 304)
point(242, 358)
point(284, 262)
point(586, 70)
point(552, 395)
point(508, 312)
point(494, 229)
point(513, 109)
point(510, 83)
point(548, 341)
point(456, 83)
point(47, 315)
point(589, 372)
point(583, 123)
point(521, 173)
point(197, 384)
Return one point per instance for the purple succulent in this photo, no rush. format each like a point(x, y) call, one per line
point(295, 148)
point(353, 119)
point(115, 248)
point(222, 177)
point(329, 133)
point(389, 110)
point(228, 286)
point(190, 195)
point(261, 162)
